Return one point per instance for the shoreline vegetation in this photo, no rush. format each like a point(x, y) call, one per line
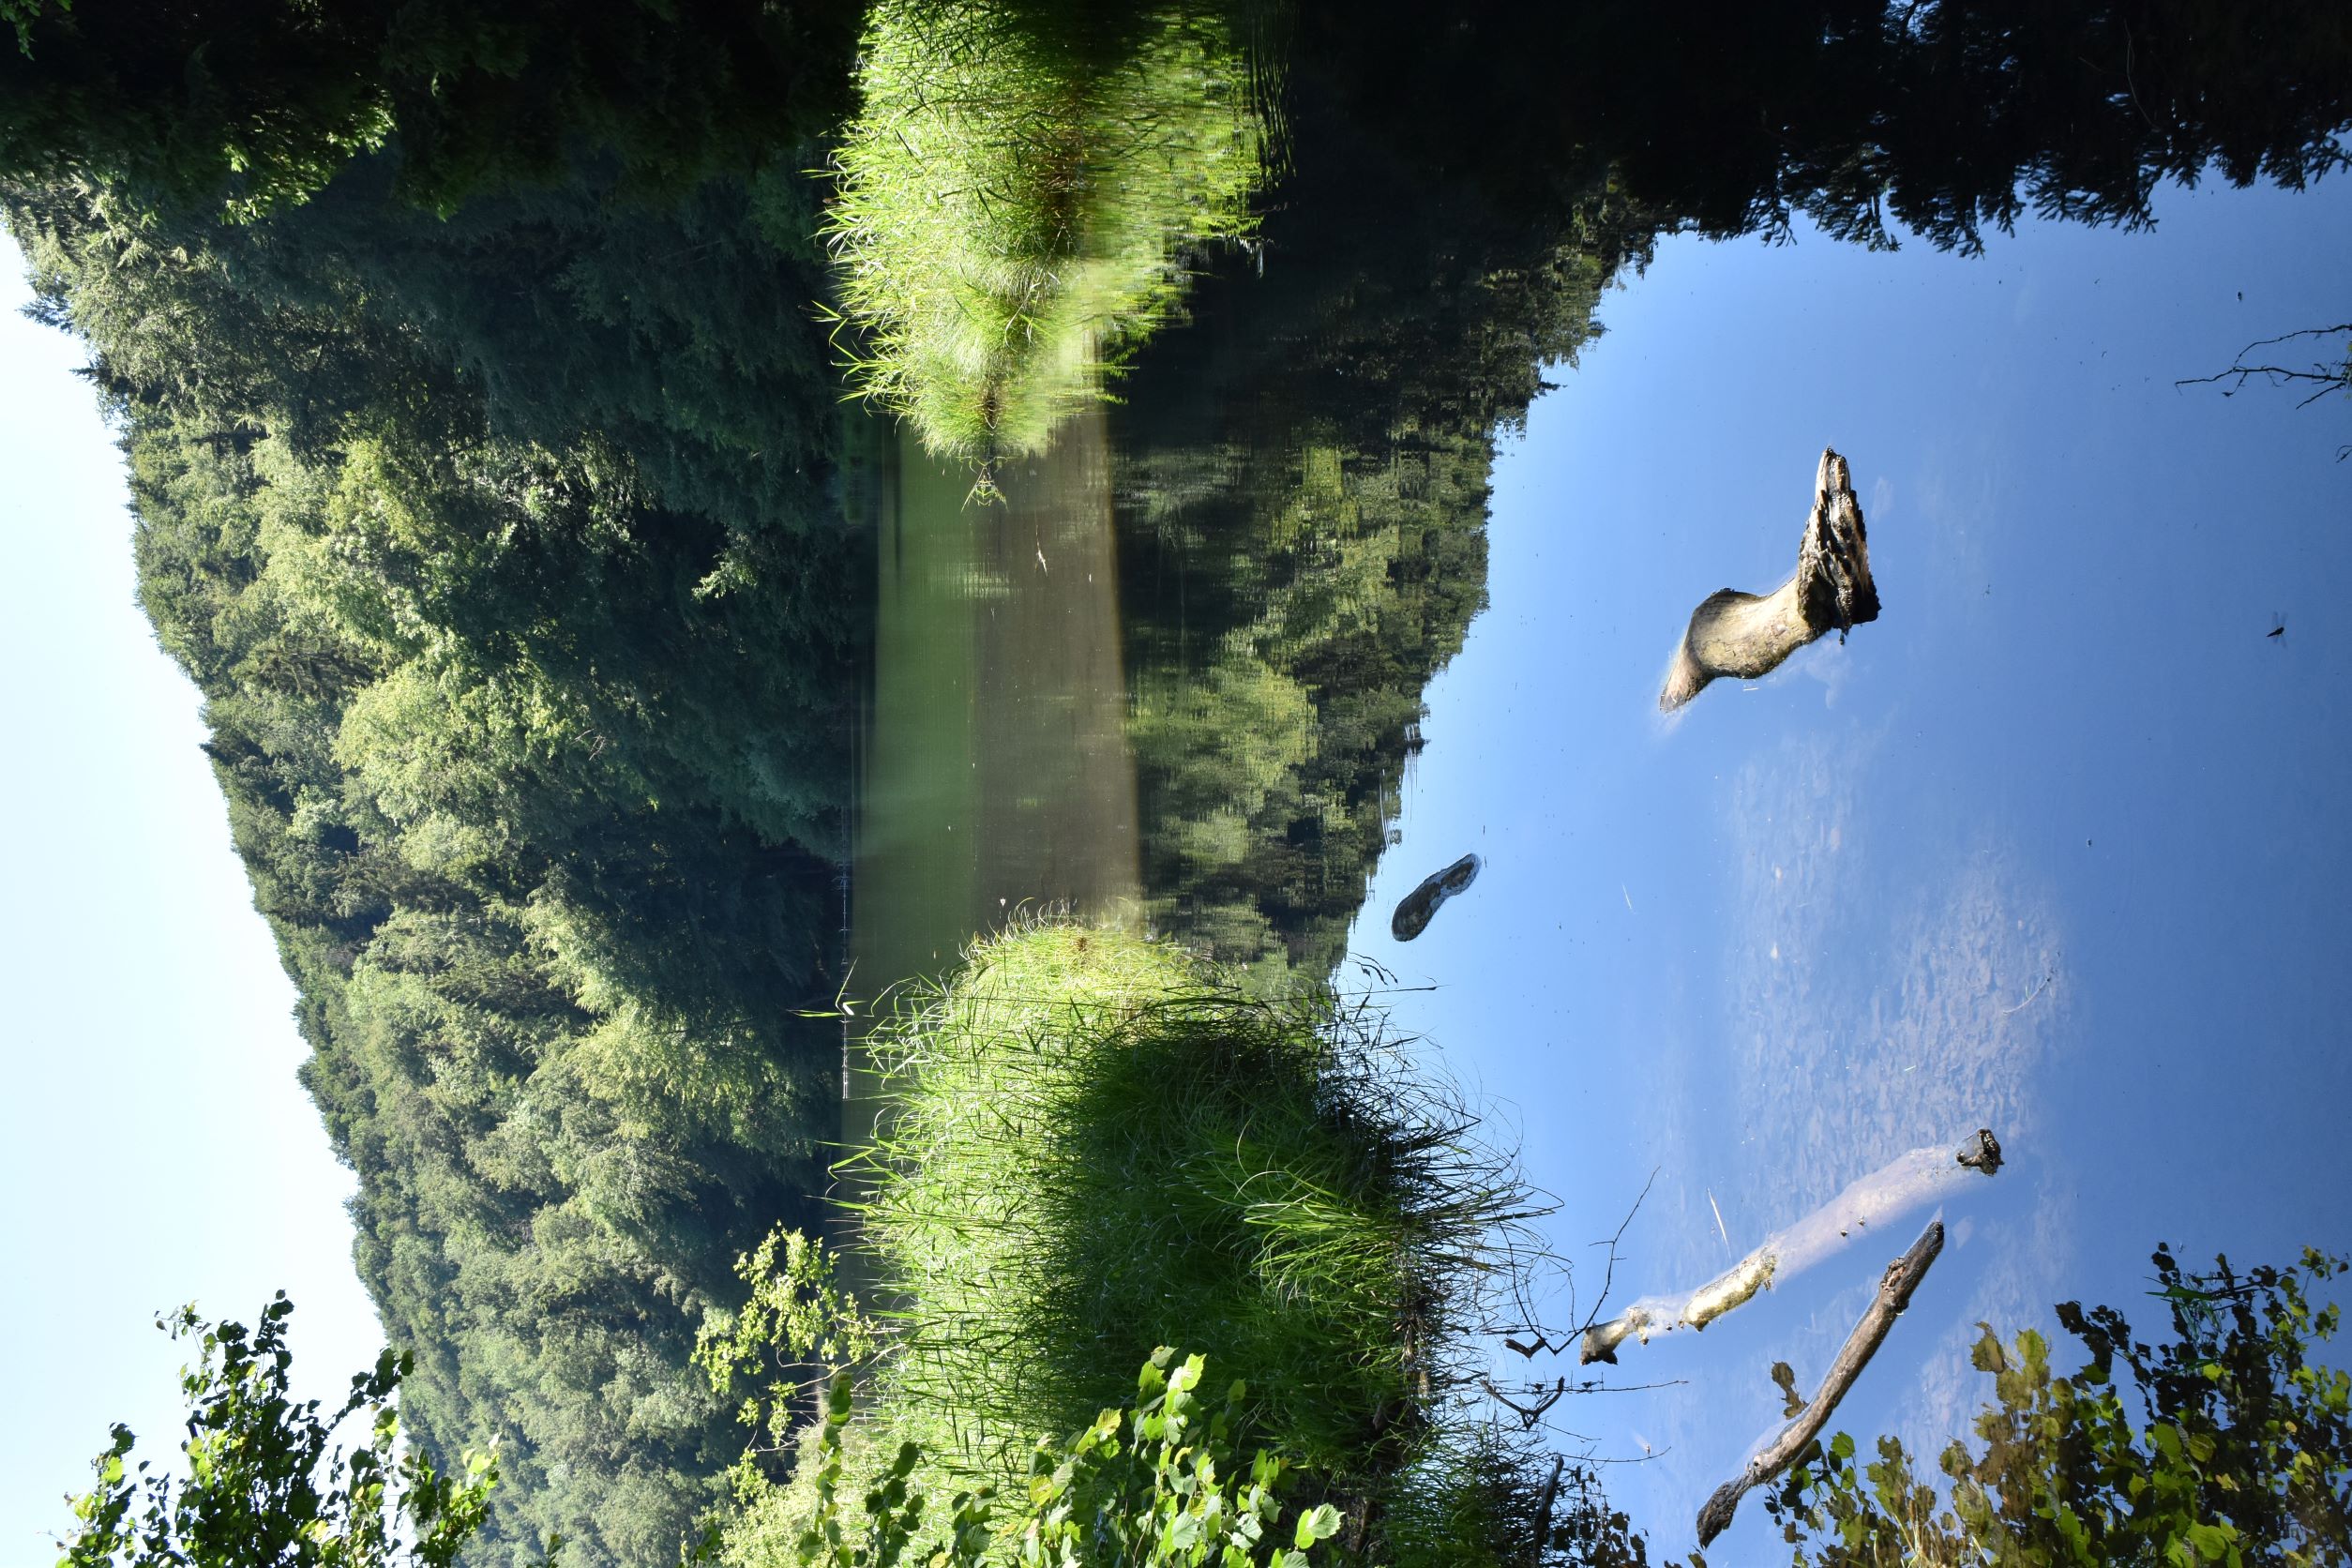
point(1095, 1141)
point(1095, 1144)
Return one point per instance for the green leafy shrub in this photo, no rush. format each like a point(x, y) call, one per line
point(1092, 1141)
point(265, 1482)
point(1152, 1484)
point(2242, 1451)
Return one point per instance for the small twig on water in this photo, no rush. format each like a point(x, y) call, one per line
point(2038, 987)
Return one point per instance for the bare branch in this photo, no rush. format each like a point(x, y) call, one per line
point(1904, 1185)
point(2329, 377)
point(1902, 1277)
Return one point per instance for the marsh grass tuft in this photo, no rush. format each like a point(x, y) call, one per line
point(1094, 1143)
point(1016, 198)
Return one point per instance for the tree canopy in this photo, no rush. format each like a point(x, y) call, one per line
point(268, 1484)
point(239, 107)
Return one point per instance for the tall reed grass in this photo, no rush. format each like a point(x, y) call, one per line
point(1093, 1144)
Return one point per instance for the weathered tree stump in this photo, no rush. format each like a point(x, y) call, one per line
point(1748, 635)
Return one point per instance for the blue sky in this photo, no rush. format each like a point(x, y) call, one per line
point(155, 1147)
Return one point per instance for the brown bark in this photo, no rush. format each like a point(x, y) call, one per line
point(1902, 1277)
point(1748, 635)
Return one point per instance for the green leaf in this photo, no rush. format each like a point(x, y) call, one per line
point(1319, 1523)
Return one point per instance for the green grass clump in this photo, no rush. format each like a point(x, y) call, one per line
point(1017, 194)
point(1096, 1144)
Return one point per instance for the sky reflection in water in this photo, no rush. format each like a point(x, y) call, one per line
point(2050, 848)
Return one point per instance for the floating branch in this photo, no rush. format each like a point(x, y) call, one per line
point(1903, 1183)
point(1902, 1277)
point(1544, 1512)
point(1748, 635)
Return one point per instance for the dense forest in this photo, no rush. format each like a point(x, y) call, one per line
point(535, 737)
point(492, 483)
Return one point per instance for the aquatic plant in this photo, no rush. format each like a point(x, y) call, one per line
point(1016, 202)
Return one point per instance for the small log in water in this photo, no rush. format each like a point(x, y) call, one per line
point(1905, 1183)
point(1902, 1277)
point(1414, 910)
point(1748, 635)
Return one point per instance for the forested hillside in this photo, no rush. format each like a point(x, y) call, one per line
point(1303, 483)
point(509, 554)
point(493, 484)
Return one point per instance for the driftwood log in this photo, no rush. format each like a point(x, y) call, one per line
point(1748, 635)
point(1903, 1183)
point(1902, 1277)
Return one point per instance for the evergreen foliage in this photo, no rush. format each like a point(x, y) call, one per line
point(240, 108)
point(538, 771)
point(1302, 481)
point(1951, 120)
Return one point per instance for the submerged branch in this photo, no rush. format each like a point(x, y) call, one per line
point(2330, 375)
point(1903, 1183)
point(1902, 1277)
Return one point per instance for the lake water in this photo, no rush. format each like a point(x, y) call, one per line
point(2054, 847)
point(1320, 424)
